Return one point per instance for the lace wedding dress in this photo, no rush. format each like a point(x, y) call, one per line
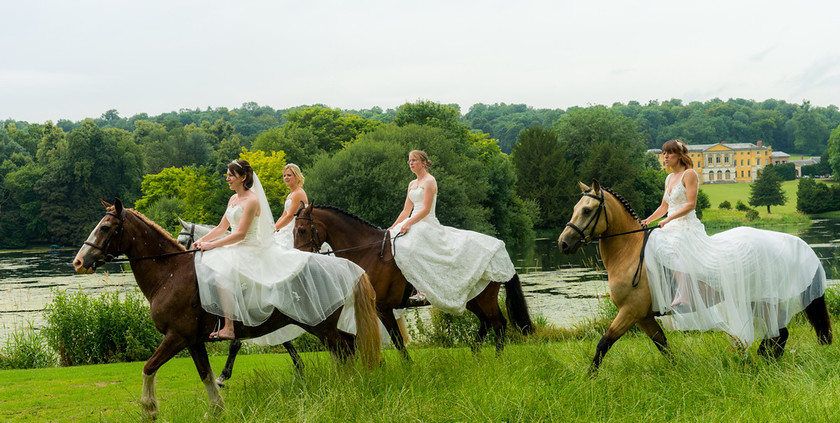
point(246, 281)
point(450, 266)
point(746, 282)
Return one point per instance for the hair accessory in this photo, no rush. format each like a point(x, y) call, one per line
point(236, 162)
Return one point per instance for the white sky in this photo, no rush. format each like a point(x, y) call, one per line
point(77, 59)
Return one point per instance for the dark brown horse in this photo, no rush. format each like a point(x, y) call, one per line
point(603, 213)
point(167, 279)
point(369, 246)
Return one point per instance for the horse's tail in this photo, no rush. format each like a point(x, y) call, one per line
point(368, 342)
point(516, 307)
point(817, 313)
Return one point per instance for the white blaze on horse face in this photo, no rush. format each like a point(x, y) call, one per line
point(85, 251)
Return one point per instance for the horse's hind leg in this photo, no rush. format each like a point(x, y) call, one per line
point(233, 349)
point(486, 307)
point(774, 347)
point(654, 331)
point(619, 326)
point(817, 314)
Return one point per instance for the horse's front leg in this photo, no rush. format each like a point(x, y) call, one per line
point(393, 328)
point(654, 331)
point(293, 353)
point(233, 350)
point(167, 349)
point(205, 372)
point(619, 326)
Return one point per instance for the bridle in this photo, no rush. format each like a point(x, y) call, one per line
point(315, 240)
point(110, 258)
point(594, 222)
point(191, 233)
point(314, 237)
point(104, 248)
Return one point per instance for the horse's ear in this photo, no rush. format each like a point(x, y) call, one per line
point(300, 209)
point(118, 206)
point(182, 223)
point(583, 187)
point(596, 187)
point(105, 203)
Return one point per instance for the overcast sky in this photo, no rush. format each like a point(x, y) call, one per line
point(78, 59)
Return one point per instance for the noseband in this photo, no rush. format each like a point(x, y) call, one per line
point(191, 233)
point(315, 240)
point(593, 221)
point(104, 248)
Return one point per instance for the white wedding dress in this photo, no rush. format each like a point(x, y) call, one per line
point(246, 281)
point(285, 236)
point(746, 282)
point(450, 266)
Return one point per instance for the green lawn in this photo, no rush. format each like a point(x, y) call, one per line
point(719, 193)
point(704, 379)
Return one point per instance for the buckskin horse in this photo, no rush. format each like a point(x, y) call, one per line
point(603, 214)
point(165, 273)
point(369, 246)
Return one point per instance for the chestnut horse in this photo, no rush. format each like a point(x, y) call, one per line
point(602, 213)
point(369, 246)
point(165, 273)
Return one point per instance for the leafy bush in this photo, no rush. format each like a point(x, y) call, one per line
point(725, 205)
point(740, 206)
point(752, 215)
point(104, 329)
point(26, 349)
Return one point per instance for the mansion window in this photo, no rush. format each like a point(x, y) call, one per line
point(758, 161)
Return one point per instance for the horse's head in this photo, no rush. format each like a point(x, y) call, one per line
point(104, 242)
point(309, 234)
point(589, 219)
point(187, 235)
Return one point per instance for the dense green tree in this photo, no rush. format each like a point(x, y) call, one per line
point(809, 131)
point(606, 146)
point(332, 128)
point(193, 193)
point(544, 175)
point(299, 144)
point(785, 171)
point(834, 151)
point(87, 165)
point(767, 190)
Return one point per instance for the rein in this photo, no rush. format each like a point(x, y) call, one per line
point(176, 253)
point(637, 275)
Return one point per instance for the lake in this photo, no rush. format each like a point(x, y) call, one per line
point(565, 289)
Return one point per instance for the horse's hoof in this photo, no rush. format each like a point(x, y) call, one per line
point(220, 382)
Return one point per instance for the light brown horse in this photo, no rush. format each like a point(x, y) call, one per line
point(166, 276)
point(604, 214)
point(369, 246)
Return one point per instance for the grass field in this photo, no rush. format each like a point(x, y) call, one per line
point(704, 379)
point(719, 193)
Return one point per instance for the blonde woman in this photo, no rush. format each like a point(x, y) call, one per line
point(294, 179)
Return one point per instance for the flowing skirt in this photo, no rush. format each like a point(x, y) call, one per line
point(746, 282)
point(450, 266)
point(247, 283)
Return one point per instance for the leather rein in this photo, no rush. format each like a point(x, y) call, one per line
point(593, 222)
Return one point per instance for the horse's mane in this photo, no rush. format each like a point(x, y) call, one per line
point(154, 226)
point(623, 202)
point(348, 214)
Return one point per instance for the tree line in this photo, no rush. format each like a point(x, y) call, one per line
point(52, 174)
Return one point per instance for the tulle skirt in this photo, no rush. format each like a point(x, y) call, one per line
point(746, 282)
point(450, 266)
point(247, 283)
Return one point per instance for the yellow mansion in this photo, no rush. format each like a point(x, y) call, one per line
point(725, 162)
